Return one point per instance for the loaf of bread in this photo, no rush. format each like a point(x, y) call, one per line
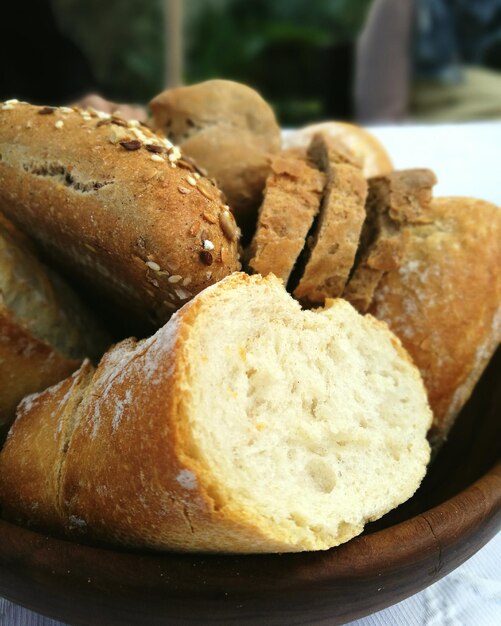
point(334, 239)
point(363, 145)
point(229, 130)
point(45, 331)
point(443, 300)
point(244, 425)
point(116, 206)
point(294, 188)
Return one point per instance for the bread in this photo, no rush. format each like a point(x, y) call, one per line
point(334, 240)
point(395, 200)
point(291, 201)
point(243, 425)
point(45, 331)
point(229, 130)
point(115, 205)
point(444, 300)
point(360, 142)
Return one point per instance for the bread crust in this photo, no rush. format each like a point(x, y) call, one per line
point(365, 147)
point(131, 222)
point(335, 240)
point(45, 331)
point(400, 198)
point(291, 202)
point(444, 300)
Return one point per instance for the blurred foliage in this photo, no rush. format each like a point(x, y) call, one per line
point(124, 42)
point(296, 53)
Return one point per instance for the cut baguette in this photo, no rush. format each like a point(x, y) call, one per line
point(244, 425)
point(400, 198)
point(334, 242)
point(291, 202)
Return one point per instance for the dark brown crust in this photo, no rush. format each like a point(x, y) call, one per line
point(105, 212)
point(342, 214)
point(444, 300)
point(291, 202)
point(393, 201)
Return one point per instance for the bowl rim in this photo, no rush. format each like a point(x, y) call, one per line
point(35, 567)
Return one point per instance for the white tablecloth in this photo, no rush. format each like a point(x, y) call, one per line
point(466, 159)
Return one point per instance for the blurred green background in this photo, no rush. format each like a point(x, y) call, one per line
point(297, 53)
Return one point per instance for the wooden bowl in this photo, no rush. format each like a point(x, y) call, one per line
point(454, 513)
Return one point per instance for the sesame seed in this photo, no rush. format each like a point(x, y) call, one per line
point(7, 107)
point(175, 279)
point(59, 124)
point(65, 110)
point(186, 281)
point(191, 180)
point(153, 266)
point(212, 219)
point(181, 293)
point(102, 115)
point(184, 189)
point(172, 157)
point(86, 116)
point(12, 101)
point(157, 158)
point(208, 245)
point(196, 175)
point(132, 123)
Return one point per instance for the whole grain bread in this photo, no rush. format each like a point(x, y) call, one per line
point(362, 144)
point(45, 330)
point(291, 201)
point(174, 441)
point(229, 130)
point(444, 300)
point(334, 240)
point(115, 205)
point(396, 200)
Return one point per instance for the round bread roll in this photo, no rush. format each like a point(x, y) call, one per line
point(115, 205)
point(368, 150)
point(228, 129)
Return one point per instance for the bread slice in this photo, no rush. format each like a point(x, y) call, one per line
point(291, 201)
point(444, 300)
point(400, 198)
point(334, 242)
point(363, 145)
point(45, 330)
point(244, 425)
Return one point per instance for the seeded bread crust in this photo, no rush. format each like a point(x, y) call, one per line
point(393, 201)
point(116, 205)
point(229, 130)
point(364, 146)
point(444, 300)
point(131, 422)
point(45, 331)
point(334, 243)
point(291, 202)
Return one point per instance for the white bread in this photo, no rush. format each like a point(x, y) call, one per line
point(243, 425)
point(116, 207)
